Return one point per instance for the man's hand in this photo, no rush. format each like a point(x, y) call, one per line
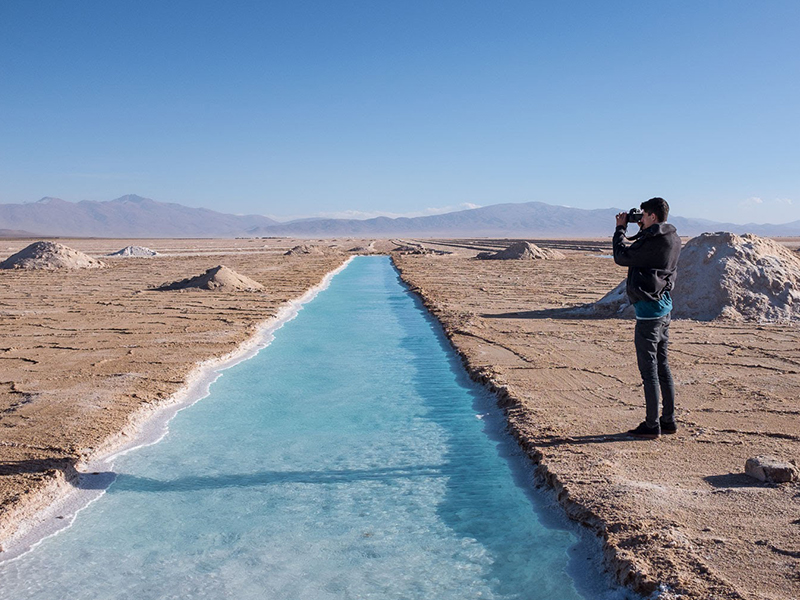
point(622, 219)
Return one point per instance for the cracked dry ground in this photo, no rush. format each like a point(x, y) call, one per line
point(82, 351)
point(679, 510)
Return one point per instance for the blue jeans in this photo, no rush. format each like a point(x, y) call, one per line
point(651, 338)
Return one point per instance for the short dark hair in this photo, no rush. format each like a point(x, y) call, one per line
point(657, 207)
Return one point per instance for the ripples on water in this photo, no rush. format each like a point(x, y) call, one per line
point(351, 458)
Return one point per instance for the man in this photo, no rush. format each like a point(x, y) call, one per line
point(652, 261)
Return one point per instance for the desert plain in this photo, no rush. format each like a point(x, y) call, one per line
point(86, 354)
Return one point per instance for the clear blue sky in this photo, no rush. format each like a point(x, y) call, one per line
point(297, 108)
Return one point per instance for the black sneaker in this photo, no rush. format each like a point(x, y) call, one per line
point(669, 428)
point(646, 432)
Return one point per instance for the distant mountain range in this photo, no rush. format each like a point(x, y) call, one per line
point(15, 233)
point(136, 217)
point(128, 216)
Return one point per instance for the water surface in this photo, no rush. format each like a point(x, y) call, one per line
point(352, 458)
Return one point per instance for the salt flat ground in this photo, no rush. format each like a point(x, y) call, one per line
point(679, 509)
point(82, 351)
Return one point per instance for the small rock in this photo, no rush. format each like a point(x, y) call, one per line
point(771, 469)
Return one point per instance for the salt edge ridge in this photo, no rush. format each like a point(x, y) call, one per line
point(149, 426)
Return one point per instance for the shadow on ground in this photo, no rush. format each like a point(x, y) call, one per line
point(733, 480)
point(36, 465)
point(578, 313)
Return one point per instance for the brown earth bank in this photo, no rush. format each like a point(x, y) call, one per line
point(84, 354)
point(676, 514)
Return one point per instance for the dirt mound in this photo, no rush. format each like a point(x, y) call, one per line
point(404, 247)
point(304, 250)
point(368, 249)
point(522, 251)
point(134, 251)
point(50, 256)
point(218, 278)
point(727, 276)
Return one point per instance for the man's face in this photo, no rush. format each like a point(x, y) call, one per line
point(648, 219)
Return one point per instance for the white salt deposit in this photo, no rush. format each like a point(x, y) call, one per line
point(50, 256)
point(723, 275)
point(134, 251)
point(726, 276)
point(614, 303)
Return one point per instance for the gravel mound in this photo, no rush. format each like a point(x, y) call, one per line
point(522, 251)
point(726, 276)
point(134, 251)
point(50, 256)
point(218, 278)
point(304, 250)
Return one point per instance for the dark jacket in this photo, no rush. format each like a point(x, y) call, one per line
point(652, 260)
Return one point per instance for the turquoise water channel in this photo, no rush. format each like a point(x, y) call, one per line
point(350, 459)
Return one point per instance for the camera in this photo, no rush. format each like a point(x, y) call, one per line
point(634, 215)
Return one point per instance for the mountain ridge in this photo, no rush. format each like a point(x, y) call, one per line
point(136, 216)
point(127, 216)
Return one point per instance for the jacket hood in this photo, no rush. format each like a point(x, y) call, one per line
point(655, 230)
point(660, 229)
